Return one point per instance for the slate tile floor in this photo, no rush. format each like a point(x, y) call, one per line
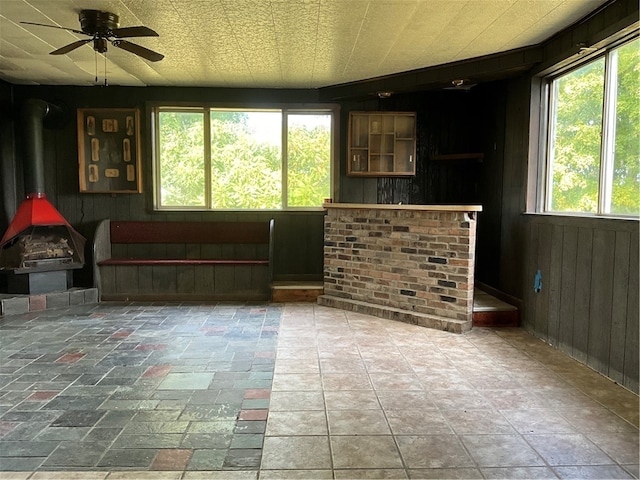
point(296, 391)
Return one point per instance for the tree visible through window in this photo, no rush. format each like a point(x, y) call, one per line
point(594, 151)
point(234, 159)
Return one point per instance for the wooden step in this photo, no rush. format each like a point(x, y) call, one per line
point(489, 311)
point(296, 291)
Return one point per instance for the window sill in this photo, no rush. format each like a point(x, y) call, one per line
point(585, 216)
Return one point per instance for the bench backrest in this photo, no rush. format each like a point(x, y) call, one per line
point(190, 232)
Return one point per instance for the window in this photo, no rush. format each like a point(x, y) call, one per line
point(206, 158)
point(593, 149)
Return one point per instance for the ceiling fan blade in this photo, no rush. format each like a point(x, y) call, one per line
point(138, 50)
point(139, 31)
point(70, 47)
point(55, 26)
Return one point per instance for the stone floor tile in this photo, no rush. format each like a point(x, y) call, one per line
point(595, 472)
point(433, 451)
point(172, 459)
point(78, 418)
point(624, 448)
point(405, 400)
point(595, 420)
point(209, 441)
point(207, 459)
point(286, 453)
point(296, 423)
point(297, 382)
point(346, 381)
point(296, 475)
point(186, 381)
point(21, 464)
point(250, 426)
point(357, 422)
point(393, 381)
point(358, 452)
point(477, 421)
point(296, 400)
point(144, 475)
point(223, 475)
point(247, 440)
point(509, 473)
point(28, 449)
point(243, 458)
point(140, 458)
point(63, 433)
point(501, 451)
point(76, 454)
point(84, 475)
point(537, 420)
point(417, 422)
point(568, 449)
point(441, 473)
point(391, 474)
point(351, 400)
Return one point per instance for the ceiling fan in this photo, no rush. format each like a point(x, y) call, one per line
point(103, 27)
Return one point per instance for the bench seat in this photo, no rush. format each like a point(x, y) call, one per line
point(183, 260)
point(179, 261)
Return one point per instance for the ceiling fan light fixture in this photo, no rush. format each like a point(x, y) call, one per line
point(104, 28)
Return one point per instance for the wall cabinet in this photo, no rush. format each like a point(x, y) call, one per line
point(382, 144)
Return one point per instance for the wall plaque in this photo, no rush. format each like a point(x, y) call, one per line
point(109, 155)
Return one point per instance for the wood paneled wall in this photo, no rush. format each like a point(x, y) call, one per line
point(298, 235)
point(449, 122)
point(588, 304)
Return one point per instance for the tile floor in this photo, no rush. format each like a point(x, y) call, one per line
point(296, 391)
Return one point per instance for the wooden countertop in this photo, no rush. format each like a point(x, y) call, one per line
point(386, 206)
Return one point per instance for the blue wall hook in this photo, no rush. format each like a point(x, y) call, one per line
point(537, 282)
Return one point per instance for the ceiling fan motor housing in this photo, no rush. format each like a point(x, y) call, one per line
point(98, 23)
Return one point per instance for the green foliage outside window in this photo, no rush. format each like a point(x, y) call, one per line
point(245, 162)
point(182, 159)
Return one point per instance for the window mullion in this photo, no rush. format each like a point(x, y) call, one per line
point(608, 133)
point(285, 159)
point(551, 136)
point(207, 158)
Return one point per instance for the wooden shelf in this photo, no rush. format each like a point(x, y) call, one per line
point(381, 144)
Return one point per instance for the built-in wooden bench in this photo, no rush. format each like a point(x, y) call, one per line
point(136, 260)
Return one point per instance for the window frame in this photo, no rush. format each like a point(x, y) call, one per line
point(154, 108)
point(547, 128)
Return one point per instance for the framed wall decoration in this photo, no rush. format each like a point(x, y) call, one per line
point(109, 150)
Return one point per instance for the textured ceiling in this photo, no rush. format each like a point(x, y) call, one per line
point(273, 43)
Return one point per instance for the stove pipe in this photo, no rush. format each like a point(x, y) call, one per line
point(32, 115)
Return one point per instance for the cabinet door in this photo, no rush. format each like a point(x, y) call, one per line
point(358, 160)
point(405, 141)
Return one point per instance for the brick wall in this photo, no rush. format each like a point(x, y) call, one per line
point(413, 260)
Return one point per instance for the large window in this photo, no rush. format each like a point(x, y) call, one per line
point(593, 149)
point(207, 158)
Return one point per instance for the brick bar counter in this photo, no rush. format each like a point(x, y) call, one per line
point(411, 263)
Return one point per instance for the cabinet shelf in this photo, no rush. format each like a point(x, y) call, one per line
point(381, 144)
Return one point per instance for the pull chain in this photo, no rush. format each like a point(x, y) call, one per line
point(105, 68)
